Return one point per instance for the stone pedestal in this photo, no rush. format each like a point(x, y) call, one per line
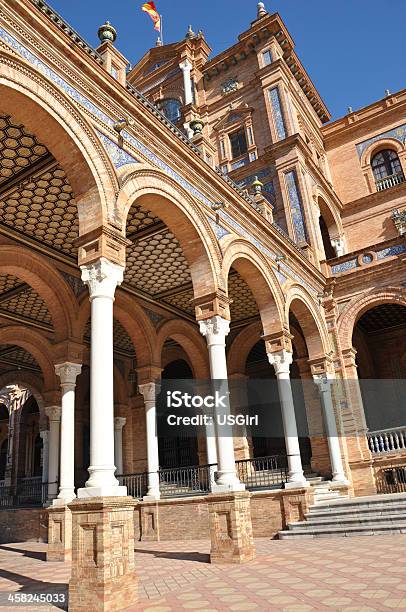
point(103, 571)
point(59, 534)
point(150, 522)
point(230, 528)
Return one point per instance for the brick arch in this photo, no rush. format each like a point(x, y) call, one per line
point(190, 340)
point(330, 216)
point(32, 99)
point(38, 346)
point(310, 319)
point(380, 145)
point(260, 278)
point(47, 282)
point(28, 380)
point(157, 192)
point(360, 304)
point(241, 346)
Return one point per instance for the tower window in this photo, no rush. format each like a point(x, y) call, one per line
point(267, 57)
point(238, 142)
point(385, 163)
point(171, 109)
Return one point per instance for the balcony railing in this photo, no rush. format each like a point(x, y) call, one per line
point(263, 472)
point(391, 479)
point(390, 181)
point(387, 440)
point(28, 492)
point(137, 484)
point(185, 481)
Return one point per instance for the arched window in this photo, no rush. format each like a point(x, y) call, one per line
point(3, 458)
point(386, 163)
point(170, 108)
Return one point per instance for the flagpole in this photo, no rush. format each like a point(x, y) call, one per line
point(162, 29)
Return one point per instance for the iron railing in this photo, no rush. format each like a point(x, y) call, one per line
point(185, 481)
point(390, 181)
point(263, 472)
point(28, 492)
point(391, 479)
point(137, 484)
point(387, 440)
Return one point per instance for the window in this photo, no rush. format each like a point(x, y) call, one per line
point(267, 55)
point(171, 109)
point(386, 163)
point(238, 142)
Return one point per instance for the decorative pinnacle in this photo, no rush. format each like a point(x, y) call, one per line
point(158, 42)
point(107, 32)
point(257, 186)
point(190, 33)
point(261, 12)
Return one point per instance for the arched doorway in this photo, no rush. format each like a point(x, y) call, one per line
point(180, 451)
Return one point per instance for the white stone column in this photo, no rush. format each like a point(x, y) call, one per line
point(324, 384)
point(281, 361)
point(119, 423)
point(102, 278)
point(54, 415)
point(186, 68)
point(215, 331)
point(338, 245)
point(45, 453)
point(67, 373)
point(150, 391)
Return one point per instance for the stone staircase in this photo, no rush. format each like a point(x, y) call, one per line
point(334, 517)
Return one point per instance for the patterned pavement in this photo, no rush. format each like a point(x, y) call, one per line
point(346, 574)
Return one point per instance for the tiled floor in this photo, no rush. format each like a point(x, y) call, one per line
point(346, 574)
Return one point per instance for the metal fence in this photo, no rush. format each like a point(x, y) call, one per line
point(28, 492)
point(137, 484)
point(391, 479)
point(263, 472)
point(184, 481)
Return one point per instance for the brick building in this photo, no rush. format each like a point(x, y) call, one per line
point(240, 233)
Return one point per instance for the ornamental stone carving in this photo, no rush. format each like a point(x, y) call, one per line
point(281, 361)
point(68, 372)
point(214, 330)
point(102, 278)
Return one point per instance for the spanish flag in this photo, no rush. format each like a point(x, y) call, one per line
point(150, 8)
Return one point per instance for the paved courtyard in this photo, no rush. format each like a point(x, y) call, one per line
point(346, 574)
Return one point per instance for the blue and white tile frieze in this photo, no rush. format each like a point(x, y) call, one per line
point(399, 133)
point(397, 249)
point(118, 156)
point(296, 206)
point(350, 264)
point(277, 112)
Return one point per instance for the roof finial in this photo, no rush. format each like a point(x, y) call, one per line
point(158, 42)
point(107, 32)
point(190, 33)
point(261, 10)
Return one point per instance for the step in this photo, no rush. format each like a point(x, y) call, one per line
point(351, 511)
point(336, 521)
point(399, 498)
point(345, 531)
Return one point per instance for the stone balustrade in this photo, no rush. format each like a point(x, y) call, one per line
point(387, 440)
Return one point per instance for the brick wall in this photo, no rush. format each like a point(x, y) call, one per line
point(23, 525)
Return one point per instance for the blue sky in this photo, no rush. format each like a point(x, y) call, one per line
point(352, 49)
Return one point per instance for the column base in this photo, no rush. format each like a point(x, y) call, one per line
point(297, 484)
point(59, 533)
point(106, 491)
point(151, 497)
point(103, 571)
point(338, 480)
point(230, 528)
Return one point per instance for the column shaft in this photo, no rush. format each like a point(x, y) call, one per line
point(54, 416)
point(281, 360)
point(149, 392)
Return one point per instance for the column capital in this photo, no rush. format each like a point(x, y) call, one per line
point(281, 361)
point(102, 277)
point(119, 423)
point(149, 390)
point(44, 433)
point(215, 330)
point(68, 372)
point(53, 413)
